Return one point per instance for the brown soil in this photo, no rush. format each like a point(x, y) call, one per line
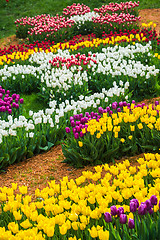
point(151, 15)
point(37, 171)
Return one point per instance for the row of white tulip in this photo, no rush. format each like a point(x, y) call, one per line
point(114, 61)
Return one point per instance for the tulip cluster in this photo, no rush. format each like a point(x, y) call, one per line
point(78, 60)
point(116, 19)
point(137, 222)
point(109, 200)
point(76, 9)
point(79, 122)
point(47, 27)
point(23, 51)
point(100, 139)
point(9, 103)
point(117, 7)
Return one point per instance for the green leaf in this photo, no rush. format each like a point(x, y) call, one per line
point(44, 148)
point(29, 154)
point(149, 147)
point(50, 145)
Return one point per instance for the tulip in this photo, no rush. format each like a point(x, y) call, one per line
point(136, 201)
point(68, 130)
point(153, 199)
point(120, 211)
point(131, 223)
point(21, 100)
point(148, 204)
point(76, 135)
point(156, 103)
point(142, 209)
point(133, 206)
point(114, 210)
point(123, 218)
point(107, 217)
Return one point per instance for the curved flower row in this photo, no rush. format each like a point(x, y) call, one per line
point(115, 7)
point(24, 51)
point(71, 206)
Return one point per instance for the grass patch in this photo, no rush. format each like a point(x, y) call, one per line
point(31, 102)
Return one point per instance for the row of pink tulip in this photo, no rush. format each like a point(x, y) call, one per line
point(115, 7)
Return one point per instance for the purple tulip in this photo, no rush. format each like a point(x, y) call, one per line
point(121, 104)
point(72, 123)
point(80, 115)
point(133, 206)
point(153, 199)
point(74, 130)
point(136, 201)
point(21, 100)
point(110, 112)
point(13, 104)
point(76, 135)
point(78, 129)
point(123, 218)
point(107, 217)
point(143, 104)
point(3, 108)
point(10, 111)
point(1, 95)
point(92, 114)
point(114, 210)
point(71, 118)
point(114, 105)
point(118, 110)
point(142, 210)
point(124, 103)
point(108, 109)
point(68, 130)
point(139, 105)
point(133, 101)
point(14, 95)
point(77, 123)
point(75, 117)
point(81, 134)
point(156, 103)
point(120, 211)
point(100, 110)
point(148, 204)
point(131, 223)
point(17, 105)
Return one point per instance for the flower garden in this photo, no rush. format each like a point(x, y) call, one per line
point(89, 70)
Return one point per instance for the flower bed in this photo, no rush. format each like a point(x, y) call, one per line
point(85, 76)
point(98, 205)
point(82, 20)
point(89, 86)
